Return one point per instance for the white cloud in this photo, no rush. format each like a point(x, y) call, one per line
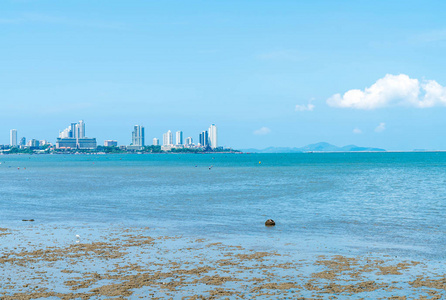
point(393, 90)
point(381, 127)
point(304, 107)
point(262, 131)
point(357, 131)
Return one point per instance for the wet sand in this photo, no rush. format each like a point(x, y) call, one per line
point(135, 263)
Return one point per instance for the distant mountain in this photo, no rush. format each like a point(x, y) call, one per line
point(318, 147)
point(325, 147)
point(279, 150)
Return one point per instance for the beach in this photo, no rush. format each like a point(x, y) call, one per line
point(133, 263)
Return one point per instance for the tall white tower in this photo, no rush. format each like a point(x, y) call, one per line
point(13, 137)
point(167, 138)
point(80, 130)
point(213, 136)
point(179, 138)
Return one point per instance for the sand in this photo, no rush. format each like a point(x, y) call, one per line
point(135, 263)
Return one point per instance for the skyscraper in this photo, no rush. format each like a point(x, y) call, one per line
point(179, 138)
point(156, 142)
point(204, 139)
point(80, 130)
point(167, 138)
point(13, 138)
point(73, 130)
point(213, 136)
point(189, 141)
point(138, 136)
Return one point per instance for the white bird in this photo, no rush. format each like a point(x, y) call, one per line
point(77, 238)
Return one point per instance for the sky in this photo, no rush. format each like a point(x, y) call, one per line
point(266, 73)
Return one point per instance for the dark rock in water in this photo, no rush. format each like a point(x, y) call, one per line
point(270, 222)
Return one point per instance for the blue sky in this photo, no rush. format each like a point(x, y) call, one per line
point(267, 73)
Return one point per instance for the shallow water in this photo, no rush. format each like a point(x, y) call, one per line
point(386, 207)
point(342, 203)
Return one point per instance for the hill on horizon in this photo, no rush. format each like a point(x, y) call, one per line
point(317, 147)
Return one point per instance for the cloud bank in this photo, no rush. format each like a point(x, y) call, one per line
point(393, 90)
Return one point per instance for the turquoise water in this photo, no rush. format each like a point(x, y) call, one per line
point(340, 203)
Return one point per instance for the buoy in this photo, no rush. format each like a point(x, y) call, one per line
point(260, 162)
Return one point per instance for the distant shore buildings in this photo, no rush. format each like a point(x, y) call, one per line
point(207, 139)
point(73, 137)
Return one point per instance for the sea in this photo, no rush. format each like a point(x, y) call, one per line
point(327, 203)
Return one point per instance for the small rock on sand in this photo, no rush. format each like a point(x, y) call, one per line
point(270, 222)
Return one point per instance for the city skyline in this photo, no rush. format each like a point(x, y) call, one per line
point(283, 73)
point(76, 131)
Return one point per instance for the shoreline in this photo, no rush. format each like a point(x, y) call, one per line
point(233, 152)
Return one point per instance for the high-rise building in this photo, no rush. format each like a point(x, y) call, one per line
point(66, 133)
point(189, 141)
point(13, 138)
point(75, 131)
point(179, 138)
point(168, 138)
point(138, 136)
point(23, 141)
point(213, 136)
point(204, 139)
point(80, 130)
point(156, 142)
